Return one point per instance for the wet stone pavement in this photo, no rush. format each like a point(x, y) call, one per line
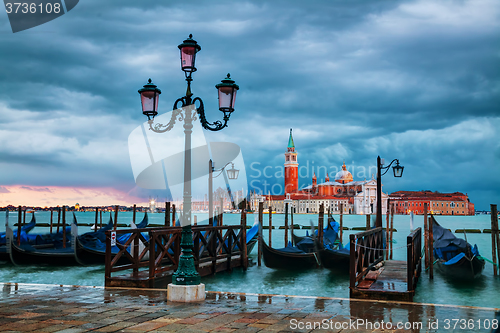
point(72, 309)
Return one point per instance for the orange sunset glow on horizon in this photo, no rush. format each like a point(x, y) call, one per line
point(50, 196)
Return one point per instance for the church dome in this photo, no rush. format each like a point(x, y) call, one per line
point(343, 176)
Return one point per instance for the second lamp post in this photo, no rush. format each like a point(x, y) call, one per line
point(187, 109)
point(398, 172)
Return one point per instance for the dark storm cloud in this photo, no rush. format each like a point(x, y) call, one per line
point(416, 80)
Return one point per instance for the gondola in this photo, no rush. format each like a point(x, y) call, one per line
point(38, 240)
point(50, 252)
point(330, 225)
point(335, 259)
point(331, 253)
point(456, 258)
point(252, 237)
point(25, 229)
point(90, 248)
point(293, 258)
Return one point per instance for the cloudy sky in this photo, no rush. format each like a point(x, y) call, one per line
point(413, 80)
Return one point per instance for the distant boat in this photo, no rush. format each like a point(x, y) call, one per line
point(456, 258)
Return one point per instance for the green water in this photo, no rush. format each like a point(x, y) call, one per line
point(485, 291)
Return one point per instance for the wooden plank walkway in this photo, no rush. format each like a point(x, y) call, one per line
point(388, 283)
point(372, 278)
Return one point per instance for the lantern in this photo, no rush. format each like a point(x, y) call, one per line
point(227, 94)
point(232, 173)
point(398, 170)
point(150, 95)
point(188, 49)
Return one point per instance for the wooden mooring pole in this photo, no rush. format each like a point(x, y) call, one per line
point(387, 235)
point(244, 238)
point(392, 231)
point(259, 250)
point(173, 215)
point(221, 212)
point(133, 213)
point(494, 238)
point(95, 223)
point(51, 216)
point(19, 219)
point(270, 226)
point(497, 236)
point(426, 238)
point(58, 218)
point(431, 250)
point(367, 221)
point(116, 217)
point(321, 218)
point(64, 225)
point(167, 214)
point(286, 224)
point(341, 228)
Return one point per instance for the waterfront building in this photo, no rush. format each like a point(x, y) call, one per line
point(455, 203)
point(356, 197)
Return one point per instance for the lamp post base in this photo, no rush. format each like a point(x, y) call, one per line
point(191, 293)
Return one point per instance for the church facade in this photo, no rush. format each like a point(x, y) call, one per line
point(342, 192)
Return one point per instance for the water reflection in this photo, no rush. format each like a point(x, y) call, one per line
point(319, 304)
point(374, 313)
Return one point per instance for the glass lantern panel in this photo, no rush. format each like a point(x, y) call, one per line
point(225, 98)
point(398, 171)
point(188, 55)
point(232, 173)
point(234, 98)
point(147, 98)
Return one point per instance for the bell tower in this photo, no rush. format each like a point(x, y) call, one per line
point(291, 167)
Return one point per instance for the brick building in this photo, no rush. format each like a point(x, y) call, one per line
point(438, 203)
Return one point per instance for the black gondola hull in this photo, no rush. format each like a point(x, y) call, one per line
point(274, 258)
point(334, 260)
point(28, 255)
point(464, 269)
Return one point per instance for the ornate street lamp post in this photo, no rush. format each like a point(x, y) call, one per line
point(398, 172)
point(231, 174)
point(185, 110)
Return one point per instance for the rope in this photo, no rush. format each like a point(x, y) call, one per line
point(374, 248)
point(488, 260)
point(425, 270)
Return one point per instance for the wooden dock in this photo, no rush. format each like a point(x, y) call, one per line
point(373, 278)
point(152, 263)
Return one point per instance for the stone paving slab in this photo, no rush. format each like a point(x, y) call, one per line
point(74, 309)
